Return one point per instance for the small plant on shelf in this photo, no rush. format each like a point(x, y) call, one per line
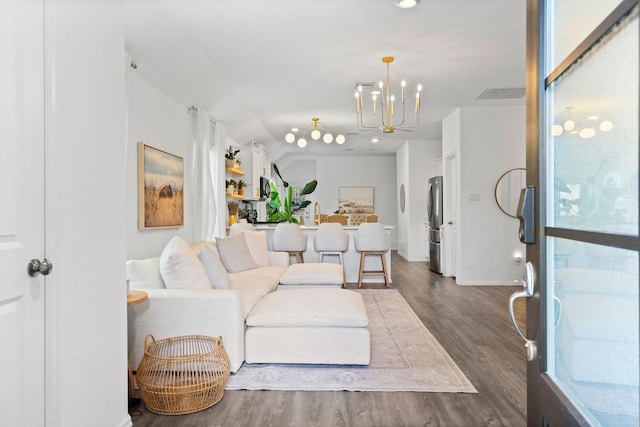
point(232, 186)
point(231, 157)
point(241, 186)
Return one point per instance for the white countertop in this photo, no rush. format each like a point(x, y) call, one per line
point(313, 227)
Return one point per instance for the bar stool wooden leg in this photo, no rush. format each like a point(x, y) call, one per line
point(384, 269)
point(361, 273)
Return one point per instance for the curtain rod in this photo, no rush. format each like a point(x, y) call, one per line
point(194, 108)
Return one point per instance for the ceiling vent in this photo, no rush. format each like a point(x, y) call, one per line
point(502, 93)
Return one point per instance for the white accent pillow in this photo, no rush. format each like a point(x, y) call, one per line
point(257, 242)
point(180, 267)
point(218, 275)
point(235, 254)
point(144, 273)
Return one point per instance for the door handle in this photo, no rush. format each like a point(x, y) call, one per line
point(36, 267)
point(527, 292)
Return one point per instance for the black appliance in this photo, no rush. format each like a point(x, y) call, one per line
point(434, 215)
point(265, 188)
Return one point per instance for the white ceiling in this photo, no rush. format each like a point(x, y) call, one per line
point(261, 67)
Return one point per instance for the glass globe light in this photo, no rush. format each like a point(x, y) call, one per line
point(340, 139)
point(327, 138)
point(315, 134)
point(569, 125)
point(302, 143)
point(289, 138)
point(556, 130)
point(587, 133)
point(606, 126)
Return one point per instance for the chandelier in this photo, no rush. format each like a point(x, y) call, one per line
point(387, 122)
point(317, 128)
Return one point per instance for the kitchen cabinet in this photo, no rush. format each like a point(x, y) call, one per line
point(256, 162)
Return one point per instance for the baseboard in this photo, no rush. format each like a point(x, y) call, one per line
point(127, 422)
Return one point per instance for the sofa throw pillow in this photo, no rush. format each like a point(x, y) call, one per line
point(235, 254)
point(218, 275)
point(257, 242)
point(144, 273)
point(180, 267)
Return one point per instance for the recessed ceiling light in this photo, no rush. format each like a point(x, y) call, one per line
point(406, 4)
point(294, 129)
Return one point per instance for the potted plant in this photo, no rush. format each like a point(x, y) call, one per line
point(232, 186)
point(231, 158)
point(233, 212)
point(283, 211)
point(241, 186)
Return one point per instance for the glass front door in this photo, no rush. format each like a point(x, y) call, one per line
point(583, 155)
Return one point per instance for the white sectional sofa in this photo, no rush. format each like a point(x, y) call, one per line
point(192, 307)
point(211, 289)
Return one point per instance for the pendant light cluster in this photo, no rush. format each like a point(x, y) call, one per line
point(317, 130)
point(587, 131)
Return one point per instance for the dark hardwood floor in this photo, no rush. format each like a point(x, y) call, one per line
point(472, 324)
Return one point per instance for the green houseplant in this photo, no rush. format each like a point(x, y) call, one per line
point(231, 157)
point(241, 186)
point(232, 186)
point(284, 210)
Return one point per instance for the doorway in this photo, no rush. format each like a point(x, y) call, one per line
point(582, 159)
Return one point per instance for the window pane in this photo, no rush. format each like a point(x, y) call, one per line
point(592, 348)
point(573, 21)
point(593, 130)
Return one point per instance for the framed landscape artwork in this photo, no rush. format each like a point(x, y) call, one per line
point(355, 200)
point(160, 188)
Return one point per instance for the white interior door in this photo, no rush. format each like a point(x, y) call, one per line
point(450, 187)
point(22, 212)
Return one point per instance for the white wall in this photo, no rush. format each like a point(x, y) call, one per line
point(158, 120)
point(85, 214)
point(491, 141)
point(333, 172)
point(416, 163)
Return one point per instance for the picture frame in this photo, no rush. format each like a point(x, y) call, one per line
point(160, 188)
point(355, 200)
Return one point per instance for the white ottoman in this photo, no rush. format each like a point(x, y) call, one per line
point(312, 274)
point(316, 326)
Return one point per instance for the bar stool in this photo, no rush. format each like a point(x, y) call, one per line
point(239, 227)
point(331, 239)
point(372, 239)
point(287, 237)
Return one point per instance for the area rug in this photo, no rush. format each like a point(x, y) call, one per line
point(404, 357)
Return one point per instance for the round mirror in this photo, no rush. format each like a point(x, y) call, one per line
point(402, 197)
point(507, 192)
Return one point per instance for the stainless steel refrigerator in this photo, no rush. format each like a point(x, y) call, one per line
point(434, 216)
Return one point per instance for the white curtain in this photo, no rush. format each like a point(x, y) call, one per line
point(218, 175)
point(204, 205)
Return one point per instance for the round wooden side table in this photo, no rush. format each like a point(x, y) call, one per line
point(134, 297)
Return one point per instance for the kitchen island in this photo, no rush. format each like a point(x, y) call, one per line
point(351, 256)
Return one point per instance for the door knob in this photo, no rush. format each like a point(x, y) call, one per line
point(36, 267)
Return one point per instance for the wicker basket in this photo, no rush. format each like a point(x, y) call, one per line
point(182, 375)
